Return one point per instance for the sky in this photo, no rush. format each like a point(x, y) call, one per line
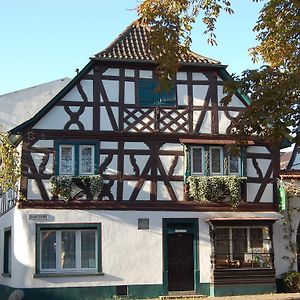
point(46, 40)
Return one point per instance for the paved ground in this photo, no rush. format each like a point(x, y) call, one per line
point(290, 296)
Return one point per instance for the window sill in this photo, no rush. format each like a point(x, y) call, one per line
point(6, 275)
point(43, 275)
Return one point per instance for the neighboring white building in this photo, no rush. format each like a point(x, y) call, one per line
point(145, 233)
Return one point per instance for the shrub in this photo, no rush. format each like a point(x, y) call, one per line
point(292, 281)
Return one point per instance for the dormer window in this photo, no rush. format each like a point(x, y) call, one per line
point(149, 96)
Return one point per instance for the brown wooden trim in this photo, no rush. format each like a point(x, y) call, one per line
point(120, 164)
point(129, 136)
point(121, 99)
point(107, 106)
point(144, 206)
point(214, 104)
point(96, 102)
point(204, 110)
point(38, 177)
point(264, 184)
point(244, 276)
point(211, 141)
point(190, 100)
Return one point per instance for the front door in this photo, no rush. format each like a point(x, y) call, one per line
point(180, 262)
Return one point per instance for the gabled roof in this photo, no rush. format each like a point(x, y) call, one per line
point(19, 106)
point(133, 44)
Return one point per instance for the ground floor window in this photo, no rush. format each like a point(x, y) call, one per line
point(68, 248)
point(7, 252)
point(242, 247)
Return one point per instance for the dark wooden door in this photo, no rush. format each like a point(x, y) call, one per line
point(180, 262)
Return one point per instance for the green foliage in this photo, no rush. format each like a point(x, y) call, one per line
point(274, 111)
point(171, 23)
point(9, 164)
point(218, 189)
point(64, 185)
point(292, 281)
point(273, 89)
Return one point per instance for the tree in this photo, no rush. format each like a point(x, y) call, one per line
point(273, 90)
point(9, 164)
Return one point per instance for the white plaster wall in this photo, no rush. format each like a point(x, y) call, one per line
point(199, 94)
point(206, 125)
point(44, 143)
point(181, 76)
point(56, 118)
point(129, 255)
point(140, 161)
point(129, 93)
point(112, 72)
point(257, 149)
point(235, 102)
point(7, 220)
point(224, 122)
point(33, 192)
point(112, 90)
point(146, 74)
point(87, 118)
point(108, 145)
point(129, 73)
point(87, 87)
point(182, 94)
point(263, 165)
point(199, 76)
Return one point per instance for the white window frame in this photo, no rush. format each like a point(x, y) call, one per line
point(192, 160)
point(266, 245)
point(221, 160)
point(239, 166)
point(93, 159)
point(78, 268)
point(60, 159)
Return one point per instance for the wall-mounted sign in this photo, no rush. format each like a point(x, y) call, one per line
point(38, 217)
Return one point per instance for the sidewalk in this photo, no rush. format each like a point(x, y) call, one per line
point(289, 296)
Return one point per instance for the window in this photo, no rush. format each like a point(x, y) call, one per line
point(214, 160)
point(68, 249)
point(67, 160)
point(86, 160)
point(242, 247)
point(234, 164)
point(197, 160)
point(77, 159)
point(7, 252)
point(148, 96)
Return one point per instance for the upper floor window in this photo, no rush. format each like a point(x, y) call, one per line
point(214, 160)
point(149, 96)
point(76, 159)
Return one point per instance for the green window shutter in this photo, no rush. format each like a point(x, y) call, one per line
point(146, 93)
point(168, 98)
point(282, 199)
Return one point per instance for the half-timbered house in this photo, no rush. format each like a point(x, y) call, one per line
point(132, 191)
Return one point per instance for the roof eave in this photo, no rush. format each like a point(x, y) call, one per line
point(154, 62)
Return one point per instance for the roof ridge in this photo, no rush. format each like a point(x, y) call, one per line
point(131, 44)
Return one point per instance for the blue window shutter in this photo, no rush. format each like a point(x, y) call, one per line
point(146, 93)
point(167, 98)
